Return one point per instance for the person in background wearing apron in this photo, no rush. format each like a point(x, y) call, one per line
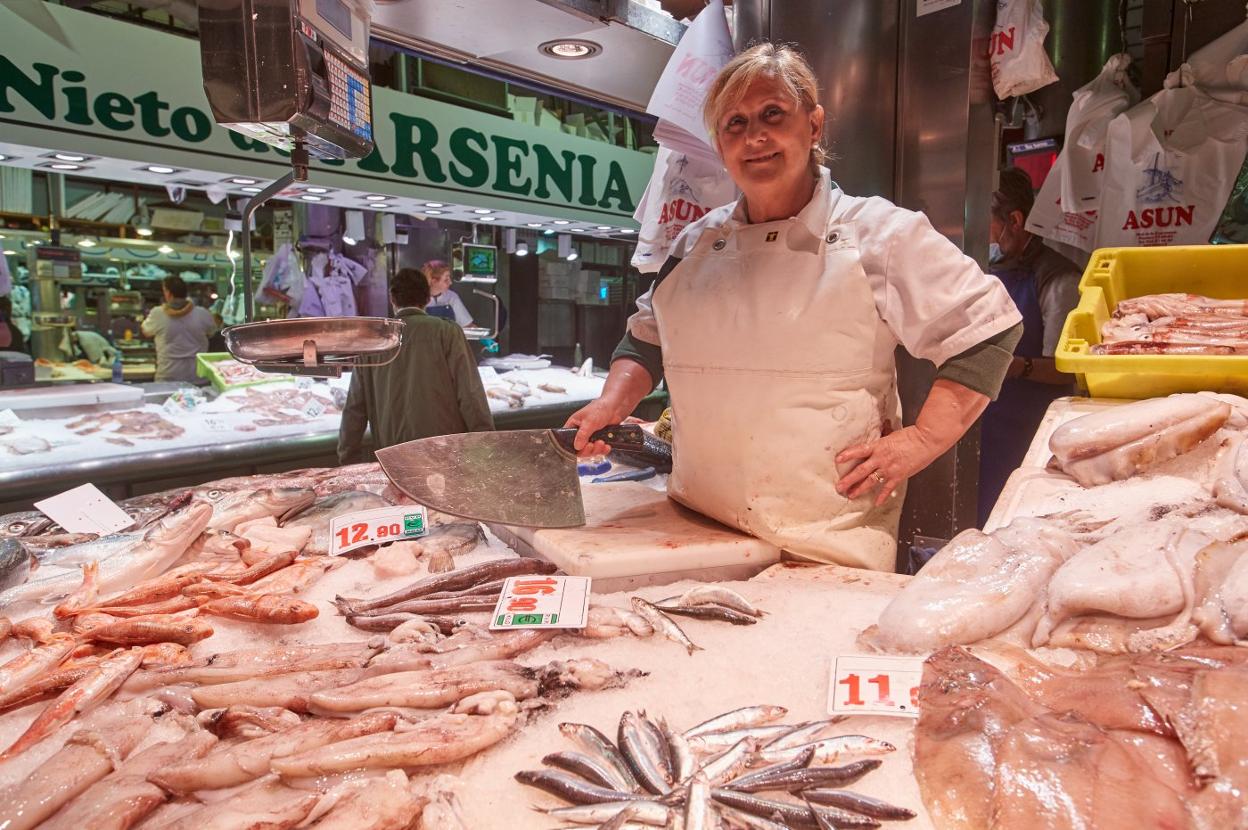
point(180, 329)
point(1045, 287)
point(445, 303)
point(775, 324)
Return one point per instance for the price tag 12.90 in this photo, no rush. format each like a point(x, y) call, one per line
point(542, 602)
point(376, 527)
point(874, 685)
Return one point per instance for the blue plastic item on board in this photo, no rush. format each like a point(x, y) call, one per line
point(593, 467)
point(628, 475)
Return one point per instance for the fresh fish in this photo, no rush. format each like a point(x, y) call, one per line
point(385, 803)
point(262, 608)
point(858, 803)
point(663, 624)
point(450, 605)
point(698, 815)
point(800, 762)
point(16, 562)
point(243, 762)
point(265, 803)
point(83, 597)
point(453, 581)
point(591, 769)
point(745, 717)
point(234, 508)
point(383, 622)
point(684, 762)
point(798, 780)
point(140, 557)
point(720, 741)
point(601, 746)
point(828, 750)
point(6, 628)
point(573, 789)
point(644, 812)
point(25, 524)
point(261, 568)
point(738, 820)
point(805, 734)
point(709, 612)
point(46, 685)
point(715, 595)
point(428, 689)
point(319, 514)
point(643, 756)
point(730, 764)
point(786, 812)
point(659, 747)
point(450, 540)
point(835, 818)
point(290, 691)
point(84, 695)
point(139, 631)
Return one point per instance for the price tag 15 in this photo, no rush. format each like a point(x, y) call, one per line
point(542, 602)
point(874, 685)
point(376, 527)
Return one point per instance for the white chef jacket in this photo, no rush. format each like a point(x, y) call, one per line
point(778, 342)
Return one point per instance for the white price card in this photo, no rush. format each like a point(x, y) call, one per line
point(869, 684)
point(314, 409)
point(376, 527)
point(542, 602)
point(85, 510)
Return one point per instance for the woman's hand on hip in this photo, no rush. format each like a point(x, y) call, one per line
point(885, 463)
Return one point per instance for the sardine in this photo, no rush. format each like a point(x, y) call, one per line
point(790, 814)
point(859, 803)
point(642, 756)
point(601, 746)
point(709, 612)
point(16, 562)
point(798, 780)
point(834, 818)
point(452, 581)
point(663, 624)
point(720, 741)
point(743, 718)
point(573, 789)
point(829, 750)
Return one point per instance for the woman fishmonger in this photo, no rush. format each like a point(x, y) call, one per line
point(775, 323)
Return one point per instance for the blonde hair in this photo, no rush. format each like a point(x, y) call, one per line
point(778, 62)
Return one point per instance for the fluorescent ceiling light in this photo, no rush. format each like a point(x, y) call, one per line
point(68, 157)
point(376, 197)
point(561, 222)
point(434, 204)
point(317, 189)
point(482, 211)
point(160, 168)
point(165, 249)
point(242, 180)
point(86, 242)
point(312, 198)
point(434, 212)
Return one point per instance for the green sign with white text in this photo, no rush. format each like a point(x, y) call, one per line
point(126, 92)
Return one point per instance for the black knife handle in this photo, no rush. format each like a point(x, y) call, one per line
point(630, 439)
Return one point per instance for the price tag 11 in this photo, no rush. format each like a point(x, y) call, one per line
point(376, 527)
point(542, 602)
point(875, 685)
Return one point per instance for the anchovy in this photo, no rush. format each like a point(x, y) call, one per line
point(830, 750)
point(859, 803)
point(663, 624)
point(698, 807)
point(731, 763)
point(738, 719)
point(451, 581)
point(804, 734)
point(800, 762)
point(834, 818)
point(589, 768)
point(788, 813)
point(635, 743)
point(709, 612)
point(658, 745)
point(719, 741)
point(599, 744)
point(574, 790)
point(715, 595)
point(746, 821)
point(646, 812)
point(803, 779)
point(684, 762)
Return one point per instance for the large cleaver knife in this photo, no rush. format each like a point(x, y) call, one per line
point(521, 477)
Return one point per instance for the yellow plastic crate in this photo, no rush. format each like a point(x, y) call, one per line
point(1116, 274)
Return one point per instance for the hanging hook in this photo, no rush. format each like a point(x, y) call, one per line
point(1187, 24)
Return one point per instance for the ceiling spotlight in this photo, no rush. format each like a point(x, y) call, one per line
point(68, 157)
point(482, 211)
point(3, 157)
point(566, 251)
point(627, 230)
point(252, 189)
point(143, 230)
point(434, 212)
point(572, 255)
point(535, 224)
point(380, 205)
point(434, 204)
point(86, 242)
point(353, 230)
point(165, 249)
point(561, 222)
point(317, 189)
point(603, 228)
point(548, 232)
point(488, 219)
point(64, 166)
point(376, 197)
point(522, 249)
point(160, 168)
point(312, 198)
point(569, 49)
point(7, 252)
point(242, 180)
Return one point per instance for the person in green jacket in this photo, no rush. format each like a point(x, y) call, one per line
point(431, 388)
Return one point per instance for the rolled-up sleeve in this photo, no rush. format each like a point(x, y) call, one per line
point(936, 300)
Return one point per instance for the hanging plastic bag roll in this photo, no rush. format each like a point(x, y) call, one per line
point(1019, 62)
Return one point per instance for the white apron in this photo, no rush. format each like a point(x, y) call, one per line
point(777, 360)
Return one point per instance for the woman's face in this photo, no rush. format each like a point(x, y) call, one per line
point(765, 140)
point(439, 283)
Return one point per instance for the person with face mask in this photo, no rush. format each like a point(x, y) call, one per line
point(1045, 287)
point(444, 302)
point(775, 322)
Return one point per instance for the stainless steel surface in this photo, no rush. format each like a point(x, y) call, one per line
point(337, 339)
point(1082, 37)
point(249, 211)
point(520, 478)
point(504, 35)
point(852, 45)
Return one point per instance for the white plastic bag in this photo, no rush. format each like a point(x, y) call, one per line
point(283, 279)
point(1019, 62)
point(682, 189)
point(1219, 68)
point(1082, 160)
point(1170, 164)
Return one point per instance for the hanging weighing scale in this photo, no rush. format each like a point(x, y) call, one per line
point(294, 74)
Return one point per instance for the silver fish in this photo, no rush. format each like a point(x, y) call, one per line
point(828, 750)
point(684, 763)
point(738, 719)
point(644, 812)
point(859, 803)
point(318, 515)
point(15, 562)
point(717, 595)
point(709, 612)
point(698, 804)
point(720, 741)
point(600, 745)
point(798, 780)
point(590, 768)
point(636, 745)
point(232, 509)
point(731, 763)
point(573, 789)
point(805, 734)
point(663, 624)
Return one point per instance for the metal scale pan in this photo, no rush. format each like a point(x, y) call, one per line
point(316, 345)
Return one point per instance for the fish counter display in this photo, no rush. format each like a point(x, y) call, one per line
point(212, 666)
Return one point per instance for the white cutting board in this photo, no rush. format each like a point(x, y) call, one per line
point(634, 535)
